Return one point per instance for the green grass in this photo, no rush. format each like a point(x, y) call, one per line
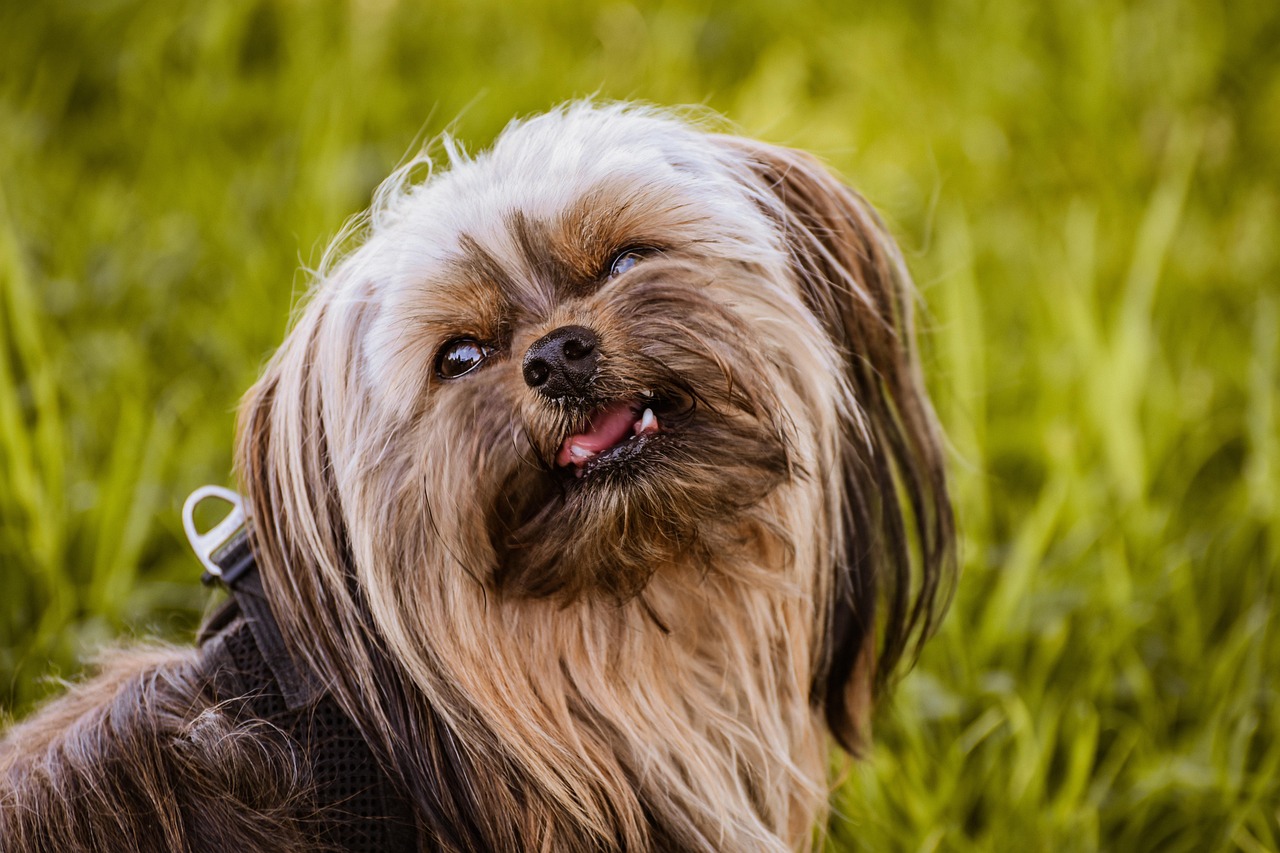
point(1089, 194)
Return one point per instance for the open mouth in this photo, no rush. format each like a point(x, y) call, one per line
point(613, 433)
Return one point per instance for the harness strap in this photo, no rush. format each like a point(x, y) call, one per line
point(359, 807)
point(228, 558)
point(241, 578)
point(298, 688)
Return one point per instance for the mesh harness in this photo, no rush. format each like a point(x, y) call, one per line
point(354, 804)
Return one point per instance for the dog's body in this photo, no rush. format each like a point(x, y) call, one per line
point(575, 488)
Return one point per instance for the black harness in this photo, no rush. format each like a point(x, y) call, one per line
point(354, 803)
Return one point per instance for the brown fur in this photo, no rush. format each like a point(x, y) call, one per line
point(140, 759)
point(649, 658)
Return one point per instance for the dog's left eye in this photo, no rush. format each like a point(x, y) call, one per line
point(461, 356)
point(624, 261)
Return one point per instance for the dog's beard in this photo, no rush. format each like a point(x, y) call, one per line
point(685, 438)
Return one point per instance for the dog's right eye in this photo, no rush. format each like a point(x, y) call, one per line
point(461, 356)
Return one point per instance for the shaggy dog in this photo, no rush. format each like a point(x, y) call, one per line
point(590, 495)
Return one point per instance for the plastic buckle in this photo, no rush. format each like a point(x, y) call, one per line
point(228, 532)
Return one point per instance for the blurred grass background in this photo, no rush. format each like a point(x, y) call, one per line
point(1087, 192)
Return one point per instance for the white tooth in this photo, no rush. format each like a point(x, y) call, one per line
point(580, 453)
point(646, 393)
point(648, 423)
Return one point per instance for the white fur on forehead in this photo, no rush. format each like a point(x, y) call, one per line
point(541, 166)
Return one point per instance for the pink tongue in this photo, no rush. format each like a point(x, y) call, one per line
point(607, 427)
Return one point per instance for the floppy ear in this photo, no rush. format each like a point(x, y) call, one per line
point(896, 521)
point(285, 469)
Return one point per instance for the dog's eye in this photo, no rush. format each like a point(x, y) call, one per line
point(624, 261)
point(461, 356)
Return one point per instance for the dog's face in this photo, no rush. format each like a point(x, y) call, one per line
point(591, 351)
point(611, 349)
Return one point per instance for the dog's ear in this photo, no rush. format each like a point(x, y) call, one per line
point(285, 468)
point(897, 529)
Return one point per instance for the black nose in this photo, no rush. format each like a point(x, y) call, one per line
point(562, 362)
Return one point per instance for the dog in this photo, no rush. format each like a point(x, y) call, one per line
point(594, 492)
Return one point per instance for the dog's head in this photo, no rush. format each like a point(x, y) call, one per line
point(611, 349)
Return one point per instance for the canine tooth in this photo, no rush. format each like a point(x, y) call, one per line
point(646, 393)
point(648, 422)
point(581, 454)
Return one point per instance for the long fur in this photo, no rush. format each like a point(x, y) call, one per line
point(650, 658)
